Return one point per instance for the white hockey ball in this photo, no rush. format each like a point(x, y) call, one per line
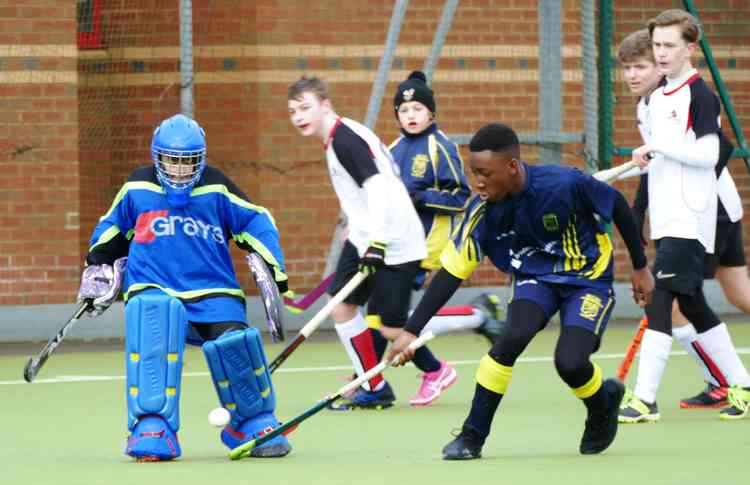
point(218, 417)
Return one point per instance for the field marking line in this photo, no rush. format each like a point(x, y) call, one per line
point(328, 368)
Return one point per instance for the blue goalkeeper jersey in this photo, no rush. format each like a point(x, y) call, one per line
point(551, 230)
point(185, 252)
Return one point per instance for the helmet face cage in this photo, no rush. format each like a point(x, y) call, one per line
point(178, 169)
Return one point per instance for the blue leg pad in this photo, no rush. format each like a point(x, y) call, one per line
point(153, 440)
point(155, 326)
point(239, 371)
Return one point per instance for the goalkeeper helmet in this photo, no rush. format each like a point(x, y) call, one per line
point(178, 150)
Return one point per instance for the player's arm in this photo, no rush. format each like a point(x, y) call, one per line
point(640, 205)
point(112, 235)
point(451, 192)
point(642, 281)
point(704, 121)
point(610, 204)
point(254, 229)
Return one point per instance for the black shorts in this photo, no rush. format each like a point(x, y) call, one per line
point(729, 250)
point(387, 292)
point(679, 265)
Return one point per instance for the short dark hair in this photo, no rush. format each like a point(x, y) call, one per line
point(308, 84)
point(495, 137)
point(689, 25)
point(635, 47)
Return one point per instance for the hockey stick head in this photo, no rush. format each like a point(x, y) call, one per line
point(269, 295)
point(29, 372)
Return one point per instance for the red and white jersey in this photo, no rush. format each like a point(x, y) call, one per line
point(682, 197)
point(372, 194)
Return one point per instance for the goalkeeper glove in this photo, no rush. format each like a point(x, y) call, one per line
point(373, 259)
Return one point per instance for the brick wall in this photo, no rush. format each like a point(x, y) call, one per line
point(245, 57)
point(39, 186)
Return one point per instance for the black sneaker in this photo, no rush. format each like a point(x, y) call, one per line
point(711, 397)
point(467, 445)
point(601, 425)
point(493, 324)
point(364, 399)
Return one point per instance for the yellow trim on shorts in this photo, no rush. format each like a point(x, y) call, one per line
point(592, 386)
point(493, 376)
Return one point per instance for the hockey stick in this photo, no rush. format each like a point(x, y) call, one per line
point(269, 294)
point(315, 322)
point(611, 174)
point(244, 450)
point(627, 361)
point(303, 303)
point(35, 363)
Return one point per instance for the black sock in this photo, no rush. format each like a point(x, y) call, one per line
point(380, 343)
point(483, 408)
point(425, 360)
point(597, 401)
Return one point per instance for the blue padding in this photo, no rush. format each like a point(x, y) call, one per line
point(155, 326)
point(240, 374)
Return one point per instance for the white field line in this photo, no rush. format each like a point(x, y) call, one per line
point(328, 368)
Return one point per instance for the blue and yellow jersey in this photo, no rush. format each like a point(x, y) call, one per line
point(552, 230)
point(433, 173)
point(185, 252)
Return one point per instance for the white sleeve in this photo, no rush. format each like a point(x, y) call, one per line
point(703, 153)
point(376, 188)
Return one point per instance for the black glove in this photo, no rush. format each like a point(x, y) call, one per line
point(373, 258)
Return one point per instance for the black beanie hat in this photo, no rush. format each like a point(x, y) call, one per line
point(414, 89)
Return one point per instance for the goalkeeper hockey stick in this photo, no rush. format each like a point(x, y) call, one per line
point(244, 450)
point(269, 294)
point(315, 322)
point(635, 344)
point(303, 303)
point(35, 363)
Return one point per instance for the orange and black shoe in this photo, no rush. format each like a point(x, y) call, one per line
point(711, 397)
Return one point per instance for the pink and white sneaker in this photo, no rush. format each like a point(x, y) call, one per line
point(433, 383)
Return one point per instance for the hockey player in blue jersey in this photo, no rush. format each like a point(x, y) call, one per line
point(542, 224)
point(174, 221)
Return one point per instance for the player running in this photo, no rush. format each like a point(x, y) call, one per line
point(174, 220)
point(385, 238)
point(543, 224)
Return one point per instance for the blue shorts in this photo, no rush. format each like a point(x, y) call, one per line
point(579, 306)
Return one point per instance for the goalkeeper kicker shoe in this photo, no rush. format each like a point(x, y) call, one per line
point(601, 425)
point(493, 324)
point(739, 403)
point(633, 410)
point(711, 397)
point(467, 445)
point(153, 440)
point(364, 399)
point(254, 428)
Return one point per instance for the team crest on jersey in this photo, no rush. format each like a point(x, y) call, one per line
point(591, 305)
point(408, 94)
point(419, 165)
point(550, 222)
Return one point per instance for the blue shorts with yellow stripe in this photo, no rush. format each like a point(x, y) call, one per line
point(579, 306)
